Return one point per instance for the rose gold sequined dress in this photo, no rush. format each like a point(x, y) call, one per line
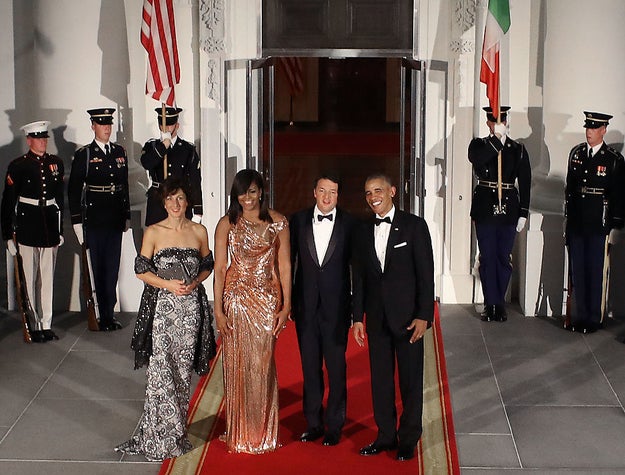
point(252, 295)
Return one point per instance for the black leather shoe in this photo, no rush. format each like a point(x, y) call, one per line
point(37, 337)
point(569, 326)
point(488, 315)
point(111, 326)
point(405, 453)
point(375, 448)
point(311, 434)
point(500, 313)
point(50, 335)
point(331, 438)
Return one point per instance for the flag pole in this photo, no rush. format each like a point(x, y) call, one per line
point(163, 125)
point(499, 159)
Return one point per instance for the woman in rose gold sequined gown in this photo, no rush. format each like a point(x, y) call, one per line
point(252, 304)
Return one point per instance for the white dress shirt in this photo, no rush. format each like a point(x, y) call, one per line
point(380, 236)
point(103, 145)
point(322, 231)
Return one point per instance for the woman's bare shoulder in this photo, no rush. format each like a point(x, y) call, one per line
point(276, 216)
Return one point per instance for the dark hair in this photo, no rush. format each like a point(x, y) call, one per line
point(172, 185)
point(333, 177)
point(380, 176)
point(241, 183)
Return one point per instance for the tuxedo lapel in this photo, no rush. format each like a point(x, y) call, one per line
point(334, 238)
point(310, 238)
point(371, 246)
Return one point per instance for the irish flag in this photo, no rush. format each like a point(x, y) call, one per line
point(497, 25)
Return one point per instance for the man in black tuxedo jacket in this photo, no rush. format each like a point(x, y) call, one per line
point(394, 288)
point(321, 253)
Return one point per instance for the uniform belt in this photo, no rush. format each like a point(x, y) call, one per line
point(156, 184)
point(105, 188)
point(37, 202)
point(590, 190)
point(493, 184)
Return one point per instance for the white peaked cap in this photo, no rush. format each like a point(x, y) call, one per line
point(36, 129)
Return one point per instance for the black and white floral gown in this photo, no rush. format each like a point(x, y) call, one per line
point(181, 327)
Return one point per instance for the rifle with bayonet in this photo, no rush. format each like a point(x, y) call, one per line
point(87, 290)
point(23, 302)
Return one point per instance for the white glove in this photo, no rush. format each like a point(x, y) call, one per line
point(612, 236)
point(501, 130)
point(520, 224)
point(79, 233)
point(61, 240)
point(11, 247)
point(197, 218)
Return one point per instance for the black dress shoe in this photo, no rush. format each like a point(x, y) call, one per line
point(311, 434)
point(500, 313)
point(331, 438)
point(375, 448)
point(488, 315)
point(405, 453)
point(110, 326)
point(50, 335)
point(37, 337)
point(569, 326)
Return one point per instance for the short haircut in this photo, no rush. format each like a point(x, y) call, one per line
point(333, 177)
point(172, 185)
point(380, 176)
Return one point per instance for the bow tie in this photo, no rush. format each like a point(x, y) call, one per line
point(382, 220)
point(321, 217)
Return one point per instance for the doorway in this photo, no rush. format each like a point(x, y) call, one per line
point(350, 117)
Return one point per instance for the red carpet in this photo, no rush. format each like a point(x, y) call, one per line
point(436, 453)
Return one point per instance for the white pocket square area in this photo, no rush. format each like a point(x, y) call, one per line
point(401, 244)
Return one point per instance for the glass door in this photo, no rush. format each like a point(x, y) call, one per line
point(249, 100)
point(411, 136)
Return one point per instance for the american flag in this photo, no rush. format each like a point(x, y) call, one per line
point(292, 68)
point(158, 37)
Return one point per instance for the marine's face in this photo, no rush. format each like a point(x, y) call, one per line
point(102, 131)
point(37, 145)
point(379, 195)
point(595, 136)
point(250, 200)
point(327, 194)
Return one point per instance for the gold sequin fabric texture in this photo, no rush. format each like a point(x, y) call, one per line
point(252, 296)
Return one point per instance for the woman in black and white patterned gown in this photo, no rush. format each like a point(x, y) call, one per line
point(173, 333)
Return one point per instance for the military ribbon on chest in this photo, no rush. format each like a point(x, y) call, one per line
point(54, 169)
point(601, 170)
point(121, 162)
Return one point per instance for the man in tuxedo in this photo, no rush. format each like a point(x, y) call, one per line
point(394, 288)
point(321, 252)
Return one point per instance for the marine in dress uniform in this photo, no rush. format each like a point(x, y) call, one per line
point(171, 156)
point(100, 209)
point(594, 206)
point(32, 209)
point(496, 224)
